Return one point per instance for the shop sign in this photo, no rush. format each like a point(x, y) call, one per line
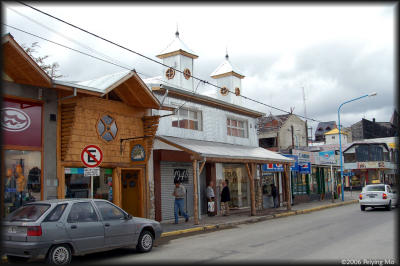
point(295, 166)
point(138, 153)
point(91, 156)
point(272, 167)
point(327, 157)
point(74, 171)
point(365, 165)
point(94, 171)
point(348, 174)
point(21, 123)
point(303, 156)
point(181, 175)
point(305, 168)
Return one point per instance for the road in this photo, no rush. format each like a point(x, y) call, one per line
point(328, 235)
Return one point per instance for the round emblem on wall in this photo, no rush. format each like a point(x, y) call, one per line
point(170, 73)
point(138, 153)
point(186, 73)
point(224, 91)
point(15, 120)
point(107, 128)
point(237, 91)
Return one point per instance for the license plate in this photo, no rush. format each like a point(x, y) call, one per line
point(12, 229)
point(372, 195)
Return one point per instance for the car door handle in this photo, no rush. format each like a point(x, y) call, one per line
point(73, 226)
point(107, 224)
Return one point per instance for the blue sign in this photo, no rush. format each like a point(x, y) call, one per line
point(327, 157)
point(294, 167)
point(348, 174)
point(11, 189)
point(138, 153)
point(305, 168)
point(272, 167)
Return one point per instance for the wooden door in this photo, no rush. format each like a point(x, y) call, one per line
point(131, 191)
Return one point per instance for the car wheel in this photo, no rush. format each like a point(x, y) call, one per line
point(389, 206)
point(15, 259)
point(145, 243)
point(60, 255)
point(362, 207)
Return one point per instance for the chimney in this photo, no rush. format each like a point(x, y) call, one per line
point(373, 120)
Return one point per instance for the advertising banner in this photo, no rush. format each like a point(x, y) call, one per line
point(295, 166)
point(272, 167)
point(305, 168)
point(327, 157)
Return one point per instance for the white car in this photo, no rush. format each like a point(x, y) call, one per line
point(377, 195)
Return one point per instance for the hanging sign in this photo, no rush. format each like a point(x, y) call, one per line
point(91, 156)
point(94, 171)
point(137, 151)
point(305, 168)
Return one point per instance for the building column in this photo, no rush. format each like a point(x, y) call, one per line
point(252, 192)
point(195, 198)
point(287, 176)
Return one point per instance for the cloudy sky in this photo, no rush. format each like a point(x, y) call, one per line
point(336, 52)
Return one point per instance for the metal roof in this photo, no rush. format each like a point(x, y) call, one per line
point(176, 45)
point(226, 67)
point(211, 149)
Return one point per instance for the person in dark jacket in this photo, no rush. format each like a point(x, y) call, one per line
point(274, 195)
point(225, 198)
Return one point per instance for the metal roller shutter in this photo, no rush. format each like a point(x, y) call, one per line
point(167, 188)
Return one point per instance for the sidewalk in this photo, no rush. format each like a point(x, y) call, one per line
point(243, 216)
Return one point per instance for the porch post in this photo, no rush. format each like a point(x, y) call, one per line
point(195, 199)
point(287, 182)
point(252, 193)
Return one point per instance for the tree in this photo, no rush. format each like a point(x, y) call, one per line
point(51, 69)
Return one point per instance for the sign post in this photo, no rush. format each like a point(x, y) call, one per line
point(91, 157)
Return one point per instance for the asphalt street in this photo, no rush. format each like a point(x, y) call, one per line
point(328, 235)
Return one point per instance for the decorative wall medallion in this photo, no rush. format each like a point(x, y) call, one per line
point(237, 91)
point(224, 91)
point(138, 153)
point(107, 128)
point(170, 73)
point(186, 73)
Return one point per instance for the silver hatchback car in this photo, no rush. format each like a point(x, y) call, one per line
point(57, 229)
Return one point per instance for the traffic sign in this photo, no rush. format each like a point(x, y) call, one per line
point(91, 156)
point(94, 171)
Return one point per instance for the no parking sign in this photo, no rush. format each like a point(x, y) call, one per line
point(91, 156)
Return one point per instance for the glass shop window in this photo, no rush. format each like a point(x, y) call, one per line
point(77, 185)
point(22, 181)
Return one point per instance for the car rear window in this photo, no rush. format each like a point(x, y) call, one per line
point(29, 213)
point(375, 188)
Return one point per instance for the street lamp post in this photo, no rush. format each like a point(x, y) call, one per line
point(340, 137)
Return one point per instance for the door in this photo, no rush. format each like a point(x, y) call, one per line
point(131, 192)
point(84, 227)
point(118, 230)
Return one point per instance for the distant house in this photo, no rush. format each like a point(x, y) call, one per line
point(332, 137)
point(281, 132)
point(322, 128)
point(366, 129)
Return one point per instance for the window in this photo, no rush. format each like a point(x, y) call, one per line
point(109, 212)
point(236, 128)
point(188, 119)
point(375, 188)
point(333, 137)
point(328, 128)
point(349, 157)
point(107, 128)
point(82, 212)
point(28, 213)
point(56, 213)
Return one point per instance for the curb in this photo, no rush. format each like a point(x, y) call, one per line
point(255, 219)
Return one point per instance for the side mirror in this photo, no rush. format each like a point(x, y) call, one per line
point(128, 217)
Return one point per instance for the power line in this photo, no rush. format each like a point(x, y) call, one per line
point(148, 58)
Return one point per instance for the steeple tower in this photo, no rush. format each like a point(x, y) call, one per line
point(227, 76)
point(178, 56)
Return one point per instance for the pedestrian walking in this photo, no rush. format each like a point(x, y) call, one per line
point(210, 198)
point(179, 193)
point(274, 195)
point(225, 198)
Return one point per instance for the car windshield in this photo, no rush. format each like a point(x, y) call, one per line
point(375, 188)
point(29, 213)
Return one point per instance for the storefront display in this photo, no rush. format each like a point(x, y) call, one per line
point(77, 185)
point(238, 185)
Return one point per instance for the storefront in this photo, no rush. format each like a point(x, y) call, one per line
point(234, 163)
point(271, 174)
point(115, 127)
point(28, 105)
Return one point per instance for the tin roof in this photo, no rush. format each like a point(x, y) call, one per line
point(177, 45)
point(219, 150)
point(336, 131)
point(226, 67)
